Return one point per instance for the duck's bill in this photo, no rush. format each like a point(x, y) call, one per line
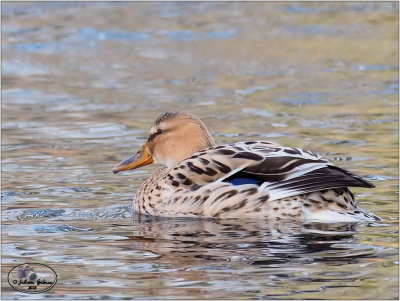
point(141, 158)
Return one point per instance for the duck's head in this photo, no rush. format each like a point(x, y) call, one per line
point(173, 137)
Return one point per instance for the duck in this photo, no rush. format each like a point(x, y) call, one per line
point(241, 180)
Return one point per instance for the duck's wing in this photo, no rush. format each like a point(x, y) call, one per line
point(282, 171)
point(320, 179)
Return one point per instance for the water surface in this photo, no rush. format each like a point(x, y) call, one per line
point(81, 84)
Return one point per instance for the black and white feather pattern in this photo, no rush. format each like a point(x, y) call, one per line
point(280, 171)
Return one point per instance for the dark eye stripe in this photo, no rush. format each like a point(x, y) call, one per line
point(152, 136)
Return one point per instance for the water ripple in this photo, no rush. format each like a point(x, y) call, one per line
point(110, 212)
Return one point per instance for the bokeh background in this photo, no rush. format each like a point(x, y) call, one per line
point(81, 84)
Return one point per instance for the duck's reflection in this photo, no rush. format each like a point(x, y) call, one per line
point(255, 241)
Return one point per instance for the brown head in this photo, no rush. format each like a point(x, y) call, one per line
point(173, 137)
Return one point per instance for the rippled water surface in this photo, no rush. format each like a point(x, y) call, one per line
point(81, 84)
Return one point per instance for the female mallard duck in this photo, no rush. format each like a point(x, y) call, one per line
point(252, 179)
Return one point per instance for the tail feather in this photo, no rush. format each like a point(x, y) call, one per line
point(331, 216)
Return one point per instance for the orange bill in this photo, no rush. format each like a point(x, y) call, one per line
point(141, 158)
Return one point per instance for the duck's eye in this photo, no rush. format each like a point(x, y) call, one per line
point(159, 131)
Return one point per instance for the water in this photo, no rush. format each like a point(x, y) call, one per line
point(82, 82)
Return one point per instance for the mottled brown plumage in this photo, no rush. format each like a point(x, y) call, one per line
point(252, 179)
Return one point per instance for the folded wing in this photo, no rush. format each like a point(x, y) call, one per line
point(282, 171)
